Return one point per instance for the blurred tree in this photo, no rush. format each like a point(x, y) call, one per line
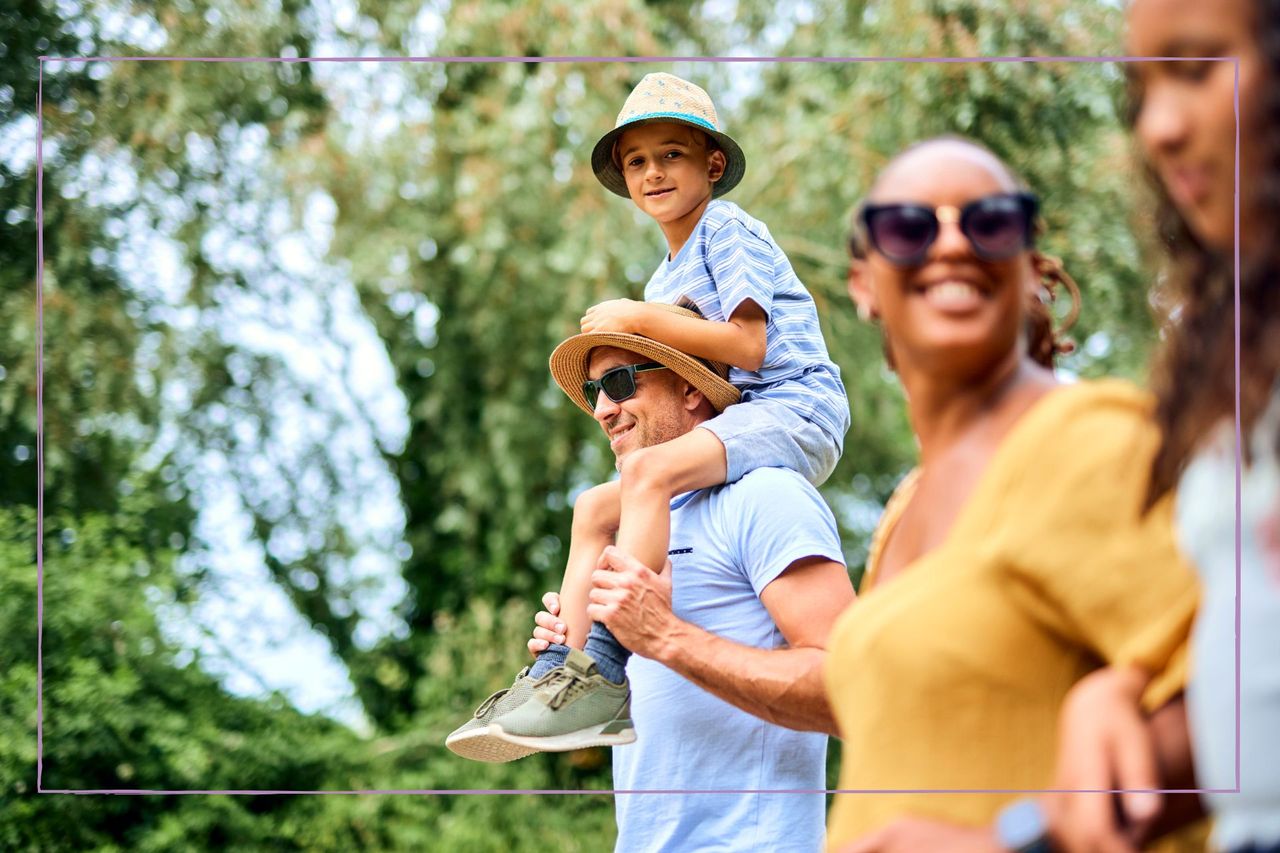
point(125, 709)
point(121, 711)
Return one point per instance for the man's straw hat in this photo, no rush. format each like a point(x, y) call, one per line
point(569, 363)
point(665, 97)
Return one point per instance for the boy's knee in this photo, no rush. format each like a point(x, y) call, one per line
point(645, 469)
point(598, 507)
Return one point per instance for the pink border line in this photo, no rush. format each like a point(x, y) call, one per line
point(941, 60)
point(40, 427)
point(587, 59)
point(634, 791)
point(1236, 267)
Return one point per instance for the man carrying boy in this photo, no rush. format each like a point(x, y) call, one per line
point(728, 640)
point(668, 155)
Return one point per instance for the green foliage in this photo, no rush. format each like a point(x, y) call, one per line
point(121, 712)
point(471, 657)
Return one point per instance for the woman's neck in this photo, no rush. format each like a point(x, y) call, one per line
point(945, 409)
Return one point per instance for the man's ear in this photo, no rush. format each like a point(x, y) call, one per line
point(861, 291)
point(692, 398)
point(716, 164)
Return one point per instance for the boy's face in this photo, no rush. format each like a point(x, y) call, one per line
point(669, 169)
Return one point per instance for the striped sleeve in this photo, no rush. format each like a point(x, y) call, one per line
point(742, 266)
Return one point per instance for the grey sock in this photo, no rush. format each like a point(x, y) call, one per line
point(550, 658)
point(608, 653)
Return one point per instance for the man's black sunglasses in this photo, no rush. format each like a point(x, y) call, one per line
point(617, 383)
point(997, 226)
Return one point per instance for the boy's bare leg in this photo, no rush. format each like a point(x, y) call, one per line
point(651, 477)
point(595, 523)
point(602, 707)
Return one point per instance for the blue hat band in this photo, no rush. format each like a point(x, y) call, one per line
point(689, 117)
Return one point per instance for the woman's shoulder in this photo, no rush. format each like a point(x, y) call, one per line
point(1118, 394)
point(1087, 416)
point(1091, 442)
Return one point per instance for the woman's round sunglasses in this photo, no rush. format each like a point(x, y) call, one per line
point(617, 383)
point(997, 226)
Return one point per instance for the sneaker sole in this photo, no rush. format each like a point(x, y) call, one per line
point(479, 744)
point(606, 734)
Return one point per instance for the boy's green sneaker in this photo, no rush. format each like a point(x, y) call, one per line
point(571, 707)
point(472, 739)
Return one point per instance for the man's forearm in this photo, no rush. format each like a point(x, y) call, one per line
point(783, 686)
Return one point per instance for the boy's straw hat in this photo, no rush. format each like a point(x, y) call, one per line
point(569, 363)
point(665, 97)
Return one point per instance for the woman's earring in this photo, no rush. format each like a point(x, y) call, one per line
point(864, 312)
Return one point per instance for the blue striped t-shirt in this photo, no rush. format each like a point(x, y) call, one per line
point(729, 258)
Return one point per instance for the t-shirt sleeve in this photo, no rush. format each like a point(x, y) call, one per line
point(773, 518)
point(1086, 559)
point(741, 266)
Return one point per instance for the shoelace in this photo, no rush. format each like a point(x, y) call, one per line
point(490, 702)
point(570, 687)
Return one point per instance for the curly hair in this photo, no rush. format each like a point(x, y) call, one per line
point(1193, 374)
point(1044, 342)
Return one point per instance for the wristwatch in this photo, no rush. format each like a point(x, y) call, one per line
point(1022, 827)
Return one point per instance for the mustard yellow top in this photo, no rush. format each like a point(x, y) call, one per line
point(951, 674)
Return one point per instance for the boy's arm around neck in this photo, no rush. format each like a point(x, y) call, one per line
point(739, 341)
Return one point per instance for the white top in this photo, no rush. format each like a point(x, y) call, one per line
point(1206, 517)
point(727, 544)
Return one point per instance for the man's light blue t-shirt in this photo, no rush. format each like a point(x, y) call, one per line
point(727, 544)
point(730, 258)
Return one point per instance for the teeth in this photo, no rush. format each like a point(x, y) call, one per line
point(954, 290)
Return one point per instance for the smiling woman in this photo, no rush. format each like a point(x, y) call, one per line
point(1014, 558)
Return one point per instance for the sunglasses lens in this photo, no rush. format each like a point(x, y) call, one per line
point(903, 233)
point(618, 384)
point(997, 226)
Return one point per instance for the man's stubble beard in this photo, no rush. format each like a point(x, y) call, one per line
point(658, 430)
